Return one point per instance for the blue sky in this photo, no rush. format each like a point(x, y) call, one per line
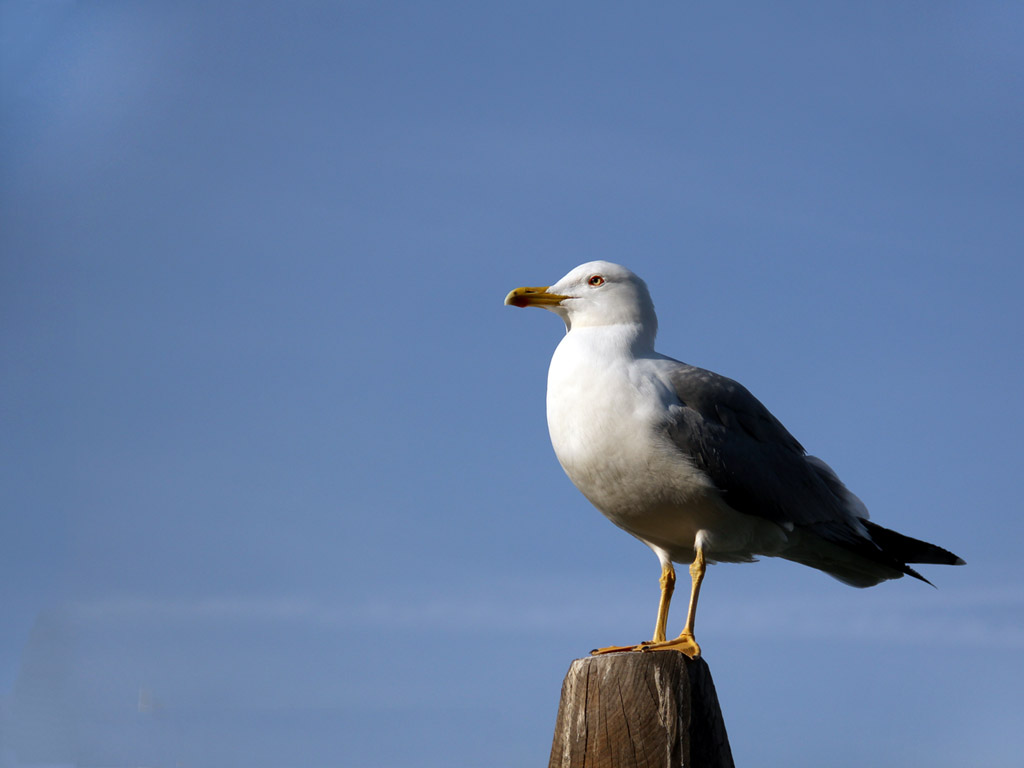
point(275, 482)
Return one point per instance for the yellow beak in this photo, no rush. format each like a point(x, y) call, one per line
point(533, 297)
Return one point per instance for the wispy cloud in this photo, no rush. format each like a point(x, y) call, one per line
point(991, 618)
point(981, 619)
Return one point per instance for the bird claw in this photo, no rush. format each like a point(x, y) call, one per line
point(614, 649)
point(684, 644)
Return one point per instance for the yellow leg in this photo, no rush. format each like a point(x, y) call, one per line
point(668, 585)
point(697, 569)
point(685, 643)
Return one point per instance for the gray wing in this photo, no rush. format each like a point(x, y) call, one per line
point(760, 469)
point(757, 465)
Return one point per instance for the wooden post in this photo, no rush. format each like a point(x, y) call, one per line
point(633, 710)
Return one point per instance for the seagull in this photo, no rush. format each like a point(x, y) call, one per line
point(690, 462)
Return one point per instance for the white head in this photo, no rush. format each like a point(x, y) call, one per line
point(594, 294)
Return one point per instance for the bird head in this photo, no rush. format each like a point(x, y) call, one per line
point(593, 294)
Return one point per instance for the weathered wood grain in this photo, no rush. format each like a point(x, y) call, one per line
point(639, 710)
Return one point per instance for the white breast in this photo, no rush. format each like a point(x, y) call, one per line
point(605, 412)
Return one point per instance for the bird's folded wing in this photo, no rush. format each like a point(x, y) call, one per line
point(757, 465)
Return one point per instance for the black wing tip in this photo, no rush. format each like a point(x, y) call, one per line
point(911, 572)
point(955, 561)
point(907, 549)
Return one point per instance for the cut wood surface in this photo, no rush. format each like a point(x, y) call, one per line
point(639, 710)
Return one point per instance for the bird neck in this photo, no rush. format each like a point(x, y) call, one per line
point(627, 339)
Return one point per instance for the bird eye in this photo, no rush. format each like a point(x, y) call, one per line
point(596, 280)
